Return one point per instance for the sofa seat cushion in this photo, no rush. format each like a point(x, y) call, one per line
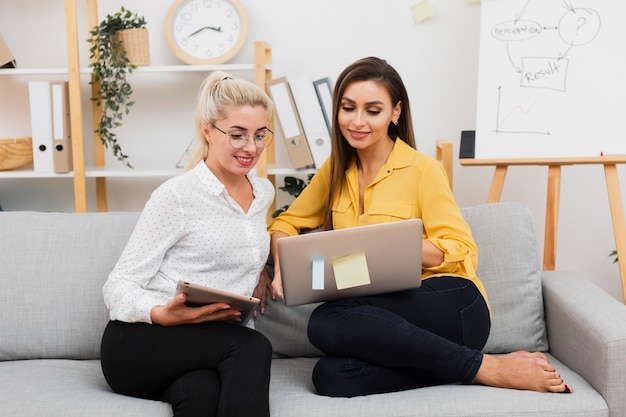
point(67, 388)
point(292, 394)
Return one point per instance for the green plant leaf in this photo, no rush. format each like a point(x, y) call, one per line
point(111, 66)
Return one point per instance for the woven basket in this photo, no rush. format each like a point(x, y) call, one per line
point(136, 44)
point(15, 153)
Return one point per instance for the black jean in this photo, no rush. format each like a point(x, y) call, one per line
point(201, 369)
point(402, 340)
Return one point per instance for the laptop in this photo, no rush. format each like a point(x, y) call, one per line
point(353, 262)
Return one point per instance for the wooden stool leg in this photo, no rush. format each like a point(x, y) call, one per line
point(552, 217)
point(497, 184)
point(617, 214)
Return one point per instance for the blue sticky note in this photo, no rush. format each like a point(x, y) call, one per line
point(318, 273)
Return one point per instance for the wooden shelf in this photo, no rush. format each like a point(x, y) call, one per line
point(105, 172)
point(261, 68)
point(138, 70)
point(30, 173)
point(78, 78)
point(33, 71)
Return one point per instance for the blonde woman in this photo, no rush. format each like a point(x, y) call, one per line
point(206, 226)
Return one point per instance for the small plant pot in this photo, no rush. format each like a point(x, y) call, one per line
point(136, 44)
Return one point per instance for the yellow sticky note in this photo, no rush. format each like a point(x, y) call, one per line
point(472, 1)
point(422, 11)
point(351, 271)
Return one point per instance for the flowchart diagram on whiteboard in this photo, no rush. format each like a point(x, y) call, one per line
point(552, 78)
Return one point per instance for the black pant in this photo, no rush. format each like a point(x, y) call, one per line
point(208, 369)
point(403, 340)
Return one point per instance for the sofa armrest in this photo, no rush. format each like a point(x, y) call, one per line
point(587, 332)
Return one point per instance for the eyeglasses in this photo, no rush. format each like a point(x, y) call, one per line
point(238, 140)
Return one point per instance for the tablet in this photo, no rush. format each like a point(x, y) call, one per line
point(199, 295)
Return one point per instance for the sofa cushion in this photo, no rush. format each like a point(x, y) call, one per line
point(509, 266)
point(53, 269)
point(68, 388)
point(286, 328)
point(292, 394)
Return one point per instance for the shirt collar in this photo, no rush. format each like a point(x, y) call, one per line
point(401, 156)
point(213, 185)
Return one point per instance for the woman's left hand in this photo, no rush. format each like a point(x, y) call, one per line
point(262, 289)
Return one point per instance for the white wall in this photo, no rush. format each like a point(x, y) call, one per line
point(437, 58)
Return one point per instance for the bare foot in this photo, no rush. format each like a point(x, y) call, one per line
point(521, 370)
point(526, 354)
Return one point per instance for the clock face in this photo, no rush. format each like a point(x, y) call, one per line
point(206, 31)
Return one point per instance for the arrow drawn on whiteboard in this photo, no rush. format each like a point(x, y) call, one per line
point(508, 53)
point(515, 109)
point(519, 15)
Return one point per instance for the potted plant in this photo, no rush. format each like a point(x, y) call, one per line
point(111, 63)
point(293, 186)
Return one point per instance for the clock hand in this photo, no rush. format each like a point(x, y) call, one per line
point(218, 29)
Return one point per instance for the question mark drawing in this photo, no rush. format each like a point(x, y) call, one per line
point(581, 23)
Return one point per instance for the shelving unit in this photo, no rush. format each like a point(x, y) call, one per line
point(97, 170)
point(32, 72)
point(261, 69)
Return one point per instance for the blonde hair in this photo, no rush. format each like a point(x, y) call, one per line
point(218, 94)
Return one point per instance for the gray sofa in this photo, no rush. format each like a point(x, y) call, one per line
point(53, 265)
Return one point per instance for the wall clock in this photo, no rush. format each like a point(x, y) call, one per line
point(206, 31)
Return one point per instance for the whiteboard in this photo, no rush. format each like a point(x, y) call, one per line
point(552, 79)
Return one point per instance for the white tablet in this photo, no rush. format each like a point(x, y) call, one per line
point(199, 295)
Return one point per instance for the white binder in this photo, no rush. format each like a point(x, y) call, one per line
point(290, 124)
point(312, 118)
point(41, 125)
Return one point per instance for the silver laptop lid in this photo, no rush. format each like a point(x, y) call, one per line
point(352, 262)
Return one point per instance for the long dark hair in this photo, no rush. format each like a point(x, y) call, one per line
point(342, 154)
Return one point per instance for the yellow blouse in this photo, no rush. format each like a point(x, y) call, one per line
point(409, 185)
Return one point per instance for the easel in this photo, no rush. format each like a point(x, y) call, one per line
point(552, 205)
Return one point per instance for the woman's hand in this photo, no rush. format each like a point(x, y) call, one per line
point(277, 285)
point(262, 288)
point(277, 282)
point(175, 312)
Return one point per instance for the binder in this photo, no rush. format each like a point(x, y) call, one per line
point(324, 90)
point(312, 118)
point(61, 136)
point(290, 124)
point(41, 125)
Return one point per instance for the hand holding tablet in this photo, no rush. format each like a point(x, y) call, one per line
point(199, 295)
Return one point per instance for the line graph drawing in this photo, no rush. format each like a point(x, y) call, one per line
point(518, 109)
